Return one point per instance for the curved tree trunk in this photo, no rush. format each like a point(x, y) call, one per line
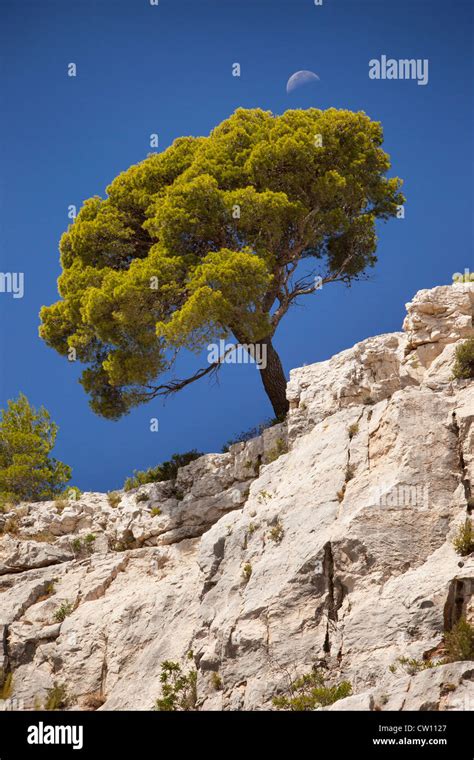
point(271, 371)
point(273, 377)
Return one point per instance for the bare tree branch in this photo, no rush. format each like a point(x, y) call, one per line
point(302, 288)
point(173, 386)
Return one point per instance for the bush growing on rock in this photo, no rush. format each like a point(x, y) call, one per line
point(63, 611)
point(27, 471)
point(459, 642)
point(164, 471)
point(178, 688)
point(247, 572)
point(464, 365)
point(277, 532)
point(114, 498)
point(411, 665)
point(216, 681)
point(464, 539)
point(309, 692)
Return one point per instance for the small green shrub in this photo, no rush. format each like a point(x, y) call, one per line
point(63, 612)
point(56, 697)
point(247, 572)
point(72, 493)
point(464, 365)
point(216, 681)
point(464, 539)
point(155, 512)
point(164, 471)
point(459, 642)
point(178, 688)
point(277, 532)
point(83, 547)
point(114, 498)
point(76, 545)
point(411, 666)
point(50, 588)
point(309, 692)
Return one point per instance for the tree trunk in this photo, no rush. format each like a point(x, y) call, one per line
point(271, 372)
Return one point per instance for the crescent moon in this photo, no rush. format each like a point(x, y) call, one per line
point(300, 78)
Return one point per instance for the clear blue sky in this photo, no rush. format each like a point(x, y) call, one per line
point(167, 69)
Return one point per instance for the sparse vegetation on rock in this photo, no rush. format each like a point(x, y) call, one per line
point(63, 611)
point(178, 687)
point(277, 532)
point(464, 365)
point(114, 498)
point(310, 691)
point(276, 451)
point(164, 471)
point(459, 642)
point(464, 539)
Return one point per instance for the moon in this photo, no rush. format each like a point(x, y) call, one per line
point(299, 79)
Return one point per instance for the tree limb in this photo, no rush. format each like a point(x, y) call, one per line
point(173, 386)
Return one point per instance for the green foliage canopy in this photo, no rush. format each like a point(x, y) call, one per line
point(203, 241)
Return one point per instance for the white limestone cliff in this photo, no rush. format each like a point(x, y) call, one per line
point(327, 541)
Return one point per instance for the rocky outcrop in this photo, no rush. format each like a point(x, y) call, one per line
point(326, 541)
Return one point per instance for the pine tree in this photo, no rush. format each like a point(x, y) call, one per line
point(215, 238)
point(27, 472)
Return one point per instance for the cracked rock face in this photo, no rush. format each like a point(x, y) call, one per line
point(326, 541)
